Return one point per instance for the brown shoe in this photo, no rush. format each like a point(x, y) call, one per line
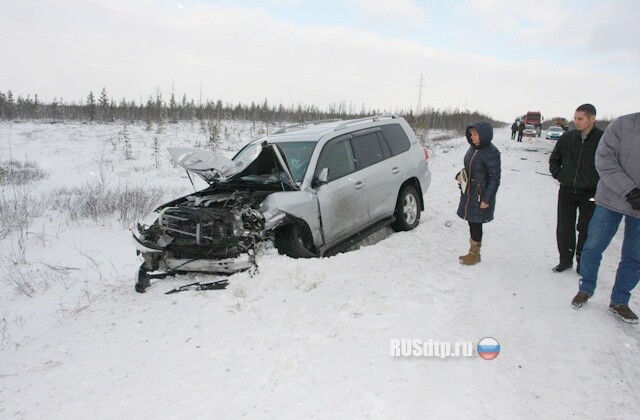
point(624, 313)
point(473, 257)
point(467, 254)
point(580, 299)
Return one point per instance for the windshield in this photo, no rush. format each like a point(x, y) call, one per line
point(529, 127)
point(297, 154)
point(248, 153)
point(555, 129)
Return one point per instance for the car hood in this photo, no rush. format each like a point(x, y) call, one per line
point(255, 159)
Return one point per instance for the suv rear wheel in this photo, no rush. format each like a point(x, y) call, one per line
point(292, 241)
point(407, 209)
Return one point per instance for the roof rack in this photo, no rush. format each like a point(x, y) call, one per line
point(373, 118)
point(304, 124)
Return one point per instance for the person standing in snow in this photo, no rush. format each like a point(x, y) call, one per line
point(572, 162)
point(617, 196)
point(520, 131)
point(479, 182)
point(514, 129)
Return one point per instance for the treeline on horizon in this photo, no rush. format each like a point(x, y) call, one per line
point(157, 110)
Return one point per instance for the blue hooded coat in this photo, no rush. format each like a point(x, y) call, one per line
point(482, 166)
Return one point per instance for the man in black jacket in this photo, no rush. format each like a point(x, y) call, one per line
point(572, 162)
point(520, 131)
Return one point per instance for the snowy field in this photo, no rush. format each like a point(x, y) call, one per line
point(302, 338)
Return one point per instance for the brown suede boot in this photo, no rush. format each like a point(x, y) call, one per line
point(473, 257)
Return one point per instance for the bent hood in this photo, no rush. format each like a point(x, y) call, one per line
point(260, 159)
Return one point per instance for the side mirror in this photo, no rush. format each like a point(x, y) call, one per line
point(322, 178)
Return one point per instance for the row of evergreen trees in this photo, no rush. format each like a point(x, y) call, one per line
point(157, 110)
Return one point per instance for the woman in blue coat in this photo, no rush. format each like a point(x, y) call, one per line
point(479, 181)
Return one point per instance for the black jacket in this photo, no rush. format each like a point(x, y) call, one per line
point(572, 161)
point(482, 165)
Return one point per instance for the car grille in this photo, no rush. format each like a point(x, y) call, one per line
point(200, 226)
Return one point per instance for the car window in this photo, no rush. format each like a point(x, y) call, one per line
point(385, 146)
point(367, 150)
point(338, 157)
point(396, 138)
point(298, 155)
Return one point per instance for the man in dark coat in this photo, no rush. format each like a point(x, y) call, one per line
point(520, 131)
point(514, 129)
point(482, 174)
point(572, 162)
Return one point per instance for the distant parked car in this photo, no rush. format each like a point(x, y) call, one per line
point(554, 132)
point(529, 131)
point(312, 189)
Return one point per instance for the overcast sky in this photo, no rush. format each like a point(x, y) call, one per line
point(501, 57)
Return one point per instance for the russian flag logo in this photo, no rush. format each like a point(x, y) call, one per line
point(488, 348)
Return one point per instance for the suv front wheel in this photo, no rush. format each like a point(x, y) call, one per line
point(290, 240)
point(407, 210)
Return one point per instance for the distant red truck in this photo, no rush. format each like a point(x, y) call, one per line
point(534, 118)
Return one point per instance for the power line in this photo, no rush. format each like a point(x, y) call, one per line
point(81, 38)
point(312, 61)
point(172, 36)
point(242, 80)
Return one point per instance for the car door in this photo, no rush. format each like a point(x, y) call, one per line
point(372, 161)
point(399, 166)
point(343, 199)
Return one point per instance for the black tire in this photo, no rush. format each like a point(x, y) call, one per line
point(292, 241)
point(144, 280)
point(407, 210)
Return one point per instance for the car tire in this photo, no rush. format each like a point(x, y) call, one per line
point(407, 211)
point(292, 241)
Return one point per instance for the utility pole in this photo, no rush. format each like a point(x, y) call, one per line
point(420, 86)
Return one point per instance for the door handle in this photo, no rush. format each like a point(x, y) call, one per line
point(395, 170)
point(359, 185)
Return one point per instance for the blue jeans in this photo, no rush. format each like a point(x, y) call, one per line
point(603, 226)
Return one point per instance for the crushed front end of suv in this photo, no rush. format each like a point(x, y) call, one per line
point(311, 188)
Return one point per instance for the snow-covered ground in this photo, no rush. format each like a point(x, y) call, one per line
point(302, 338)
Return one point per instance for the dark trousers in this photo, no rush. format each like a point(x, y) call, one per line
point(520, 133)
point(570, 202)
point(475, 229)
point(513, 135)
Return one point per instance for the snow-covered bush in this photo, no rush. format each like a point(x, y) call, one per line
point(20, 277)
point(14, 172)
point(19, 206)
point(91, 201)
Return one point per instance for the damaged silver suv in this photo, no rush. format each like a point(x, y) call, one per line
point(314, 189)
